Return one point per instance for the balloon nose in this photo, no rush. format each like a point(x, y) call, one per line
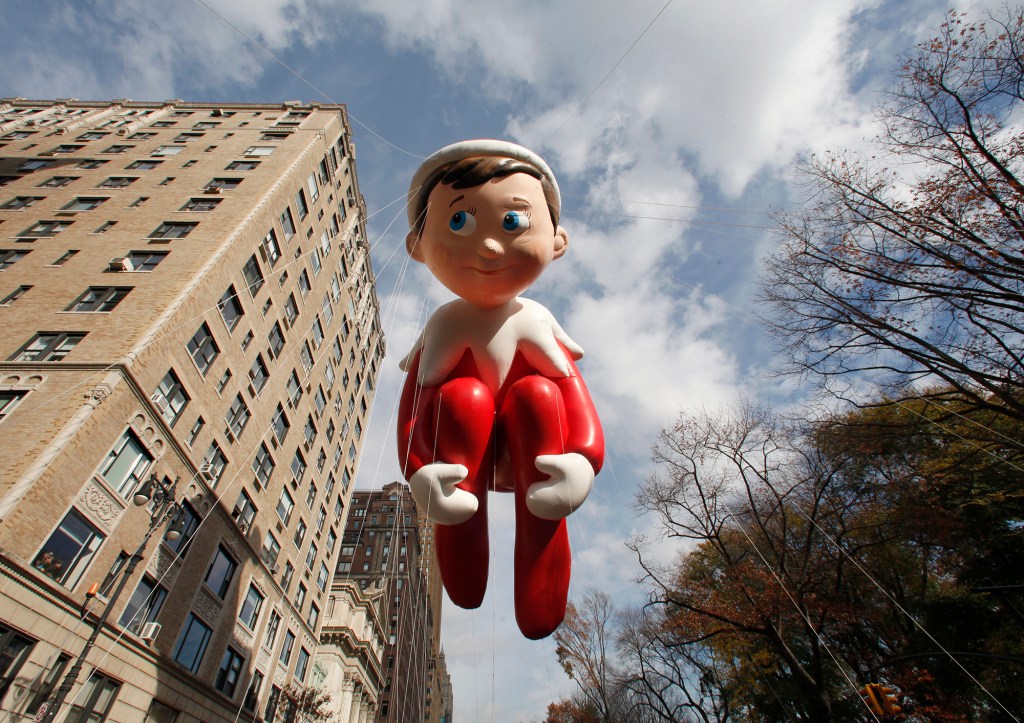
point(491, 249)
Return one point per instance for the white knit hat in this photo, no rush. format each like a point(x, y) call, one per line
point(468, 149)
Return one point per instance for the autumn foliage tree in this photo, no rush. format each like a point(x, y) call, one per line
point(821, 556)
point(908, 264)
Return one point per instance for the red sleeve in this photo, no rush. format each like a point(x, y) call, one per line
point(585, 434)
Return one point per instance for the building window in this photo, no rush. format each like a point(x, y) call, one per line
point(173, 229)
point(146, 165)
point(322, 578)
point(126, 464)
point(276, 339)
point(229, 672)
point(302, 664)
point(238, 416)
point(70, 549)
point(285, 505)
point(168, 151)
point(258, 151)
point(68, 148)
point(253, 275)
point(223, 184)
point(182, 545)
point(145, 260)
point(271, 549)
point(58, 181)
point(298, 466)
point(145, 604)
point(311, 557)
point(244, 511)
point(230, 308)
point(194, 432)
point(217, 462)
point(203, 349)
point(286, 649)
point(271, 249)
point(321, 401)
point(270, 712)
point(300, 532)
point(97, 697)
point(300, 204)
point(118, 182)
point(33, 165)
point(252, 695)
point(242, 166)
point(258, 374)
point(45, 229)
point(160, 713)
point(221, 571)
point(170, 397)
point(100, 298)
point(314, 259)
point(9, 258)
point(191, 646)
point(118, 148)
point(306, 356)
point(201, 205)
point(14, 651)
point(250, 613)
point(309, 432)
point(294, 388)
point(262, 465)
point(280, 424)
point(288, 224)
point(19, 202)
point(9, 400)
point(223, 381)
point(82, 204)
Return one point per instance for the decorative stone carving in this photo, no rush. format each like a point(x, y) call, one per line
point(98, 501)
point(263, 658)
point(98, 393)
point(164, 565)
point(242, 638)
point(207, 605)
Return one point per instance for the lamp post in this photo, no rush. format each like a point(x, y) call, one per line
point(161, 493)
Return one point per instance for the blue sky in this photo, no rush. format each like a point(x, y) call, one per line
point(671, 140)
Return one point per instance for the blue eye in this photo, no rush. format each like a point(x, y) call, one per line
point(515, 221)
point(462, 222)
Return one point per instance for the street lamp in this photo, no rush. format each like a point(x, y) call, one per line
point(161, 493)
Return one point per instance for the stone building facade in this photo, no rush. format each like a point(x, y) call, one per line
point(186, 294)
point(386, 546)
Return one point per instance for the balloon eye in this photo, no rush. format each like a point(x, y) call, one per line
point(462, 223)
point(515, 221)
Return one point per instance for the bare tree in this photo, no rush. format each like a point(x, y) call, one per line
point(908, 265)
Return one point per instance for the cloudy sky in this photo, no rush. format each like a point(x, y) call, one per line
point(672, 128)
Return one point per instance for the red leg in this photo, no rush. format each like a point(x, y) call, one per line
point(462, 414)
point(534, 423)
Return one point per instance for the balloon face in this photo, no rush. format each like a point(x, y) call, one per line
point(488, 243)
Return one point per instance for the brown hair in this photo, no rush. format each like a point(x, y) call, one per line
point(478, 170)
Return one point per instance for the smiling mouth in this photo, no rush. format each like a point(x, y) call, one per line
point(489, 272)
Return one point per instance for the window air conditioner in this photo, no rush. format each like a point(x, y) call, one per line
point(272, 566)
point(121, 263)
point(150, 631)
point(160, 402)
point(212, 190)
point(206, 471)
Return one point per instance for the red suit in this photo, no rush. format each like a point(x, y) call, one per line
point(498, 437)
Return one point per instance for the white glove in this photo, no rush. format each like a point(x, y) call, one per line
point(433, 488)
point(570, 483)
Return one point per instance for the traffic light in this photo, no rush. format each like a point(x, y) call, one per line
point(881, 700)
point(872, 695)
point(890, 704)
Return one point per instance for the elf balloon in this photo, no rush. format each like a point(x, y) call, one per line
point(493, 399)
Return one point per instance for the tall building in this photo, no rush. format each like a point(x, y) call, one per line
point(384, 549)
point(186, 298)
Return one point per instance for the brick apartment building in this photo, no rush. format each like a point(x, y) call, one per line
point(186, 296)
